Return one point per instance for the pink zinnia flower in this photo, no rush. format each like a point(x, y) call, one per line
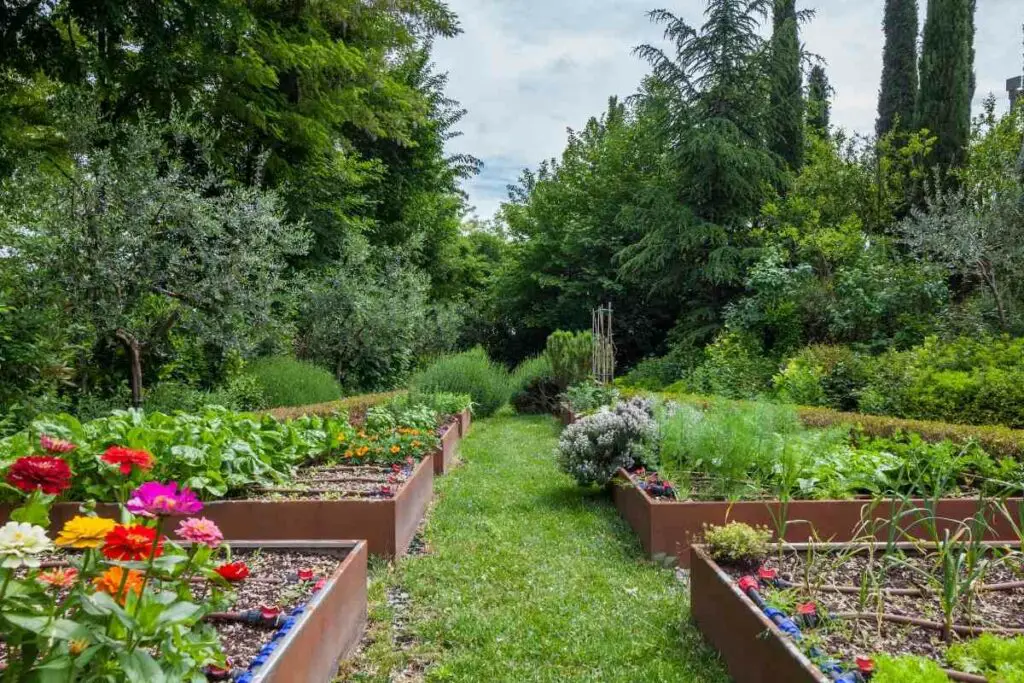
point(55, 446)
point(200, 530)
point(154, 499)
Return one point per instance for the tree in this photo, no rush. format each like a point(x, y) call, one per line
point(976, 229)
point(708, 102)
point(787, 97)
point(819, 102)
point(947, 64)
point(141, 242)
point(372, 325)
point(898, 95)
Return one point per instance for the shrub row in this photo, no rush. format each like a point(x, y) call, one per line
point(978, 381)
point(352, 405)
point(996, 440)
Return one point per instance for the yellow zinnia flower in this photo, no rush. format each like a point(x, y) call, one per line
point(85, 532)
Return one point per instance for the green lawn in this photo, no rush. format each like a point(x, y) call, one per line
point(530, 579)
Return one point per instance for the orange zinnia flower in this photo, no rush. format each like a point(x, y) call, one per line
point(110, 581)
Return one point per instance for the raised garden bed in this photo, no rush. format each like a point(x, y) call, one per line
point(805, 617)
point(465, 420)
point(324, 616)
point(388, 524)
point(445, 456)
point(566, 416)
point(668, 528)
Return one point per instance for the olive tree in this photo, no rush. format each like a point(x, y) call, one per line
point(143, 238)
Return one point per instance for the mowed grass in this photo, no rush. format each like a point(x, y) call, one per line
point(531, 579)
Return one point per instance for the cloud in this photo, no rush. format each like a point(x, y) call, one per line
point(529, 69)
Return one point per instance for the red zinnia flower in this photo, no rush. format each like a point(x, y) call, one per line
point(131, 543)
point(125, 458)
point(233, 571)
point(40, 472)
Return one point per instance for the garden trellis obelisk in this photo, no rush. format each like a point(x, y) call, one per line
point(604, 345)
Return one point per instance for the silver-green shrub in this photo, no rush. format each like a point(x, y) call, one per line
point(593, 448)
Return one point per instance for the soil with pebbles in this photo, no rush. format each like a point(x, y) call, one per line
point(273, 582)
point(336, 482)
point(844, 638)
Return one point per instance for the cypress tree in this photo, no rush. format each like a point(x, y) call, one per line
point(819, 106)
point(947, 78)
point(897, 98)
point(787, 98)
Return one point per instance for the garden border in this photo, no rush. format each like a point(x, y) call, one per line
point(445, 455)
point(331, 625)
point(465, 420)
point(669, 528)
point(753, 648)
point(387, 525)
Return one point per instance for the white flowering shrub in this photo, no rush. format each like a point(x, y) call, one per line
point(594, 447)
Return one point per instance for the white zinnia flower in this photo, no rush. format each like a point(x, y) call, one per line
point(20, 542)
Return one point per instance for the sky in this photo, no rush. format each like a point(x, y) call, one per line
point(527, 70)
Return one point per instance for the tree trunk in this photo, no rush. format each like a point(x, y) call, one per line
point(134, 348)
point(988, 274)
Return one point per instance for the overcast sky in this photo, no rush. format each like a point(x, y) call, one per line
point(528, 69)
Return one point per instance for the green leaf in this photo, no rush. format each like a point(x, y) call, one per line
point(36, 511)
point(62, 629)
point(140, 667)
point(177, 613)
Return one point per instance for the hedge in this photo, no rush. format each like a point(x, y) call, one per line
point(352, 404)
point(996, 440)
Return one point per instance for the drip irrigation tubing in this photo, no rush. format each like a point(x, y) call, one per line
point(921, 592)
point(925, 623)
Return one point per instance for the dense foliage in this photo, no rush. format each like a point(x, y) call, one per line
point(728, 241)
point(188, 184)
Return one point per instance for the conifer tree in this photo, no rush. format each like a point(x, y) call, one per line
point(898, 95)
point(819, 105)
point(944, 100)
point(787, 99)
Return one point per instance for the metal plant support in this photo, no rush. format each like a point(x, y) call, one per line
point(604, 345)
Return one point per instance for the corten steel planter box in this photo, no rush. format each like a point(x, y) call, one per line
point(567, 416)
point(332, 624)
point(388, 525)
point(444, 456)
point(465, 420)
point(668, 528)
point(752, 647)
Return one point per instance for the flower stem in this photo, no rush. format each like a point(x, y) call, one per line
point(7, 581)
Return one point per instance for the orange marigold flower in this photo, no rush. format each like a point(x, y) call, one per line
point(396, 448)
point(110, 581)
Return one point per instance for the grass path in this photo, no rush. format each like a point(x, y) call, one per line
point(528, 579)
